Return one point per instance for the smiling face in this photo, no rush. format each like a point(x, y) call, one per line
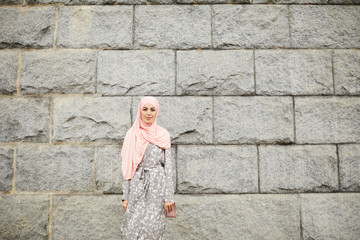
point(148, 113)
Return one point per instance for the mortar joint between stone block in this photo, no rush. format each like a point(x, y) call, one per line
point(56, 26)
point(289, 22)
point(211, 27)
point(301, 221)
point(18, 73)
point(50, 223)
point(338, 166)
point(333, 70)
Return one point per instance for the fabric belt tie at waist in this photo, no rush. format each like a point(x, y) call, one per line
point(146, 179)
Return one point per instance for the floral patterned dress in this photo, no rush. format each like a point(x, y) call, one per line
point(146, 192)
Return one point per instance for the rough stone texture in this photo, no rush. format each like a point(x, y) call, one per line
point(136, 73)
point(175, 26)
point(27, 27)
point(331, 216)
point(298, 168)
point(349, 165)
point(235, 216)
point(24, 119)
point(56, 168)
point(215, 72)
point(188, 119)
point(109, 178)
point(24, 217)
point(290, 1)
point(87, 217)
point(61, 71)
point(327, 119)
point(8, 71)
point(347, 72)
point(100, 27)
point(10, 2)
point(106, 2)
point(293, 72)
point(212, 1)
point(217, 169)
point(89, 119)
point(250, 26)
point(253, 120)
point(325, 26)
point(344, 2)
point(6, 169)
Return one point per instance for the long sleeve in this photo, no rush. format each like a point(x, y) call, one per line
point(126, 189)
point(169, 183)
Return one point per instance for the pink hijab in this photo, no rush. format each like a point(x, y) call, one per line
point(138, 137)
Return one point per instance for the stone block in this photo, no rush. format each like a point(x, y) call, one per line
point(347, 72)
point(136, 73)
point(56, 168)
point(175, 26)
point(106, 2)
point(89, 119)
point(95, 27)
point(259, 119)
point(344, 2)
point(62, 71)
point(325, 26)
point(290, 1)
point(87, 217)
point(8, 71)
point(212, 1)
point(349, 166)
point(298, 168)
point(27, 27)
point(331, 216)
point(24, 119)
point(109, 178)
point(233, 217)
point(10, 2)
point(217, 169)
point(250, 26)
point(188, 119)
point(293, 72)
point(6, 169)
point(24, 217)
point(215, 72)
point(327, 119)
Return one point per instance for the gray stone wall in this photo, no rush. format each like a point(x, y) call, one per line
point(262, 100)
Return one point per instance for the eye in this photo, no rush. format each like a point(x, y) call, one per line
point(145, 109)
point(153, 109)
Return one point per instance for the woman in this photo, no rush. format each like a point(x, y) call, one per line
point(147, 168)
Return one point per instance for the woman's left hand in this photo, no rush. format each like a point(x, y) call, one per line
point(168, 206)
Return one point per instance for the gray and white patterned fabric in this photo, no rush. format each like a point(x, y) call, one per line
point(146, 192)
